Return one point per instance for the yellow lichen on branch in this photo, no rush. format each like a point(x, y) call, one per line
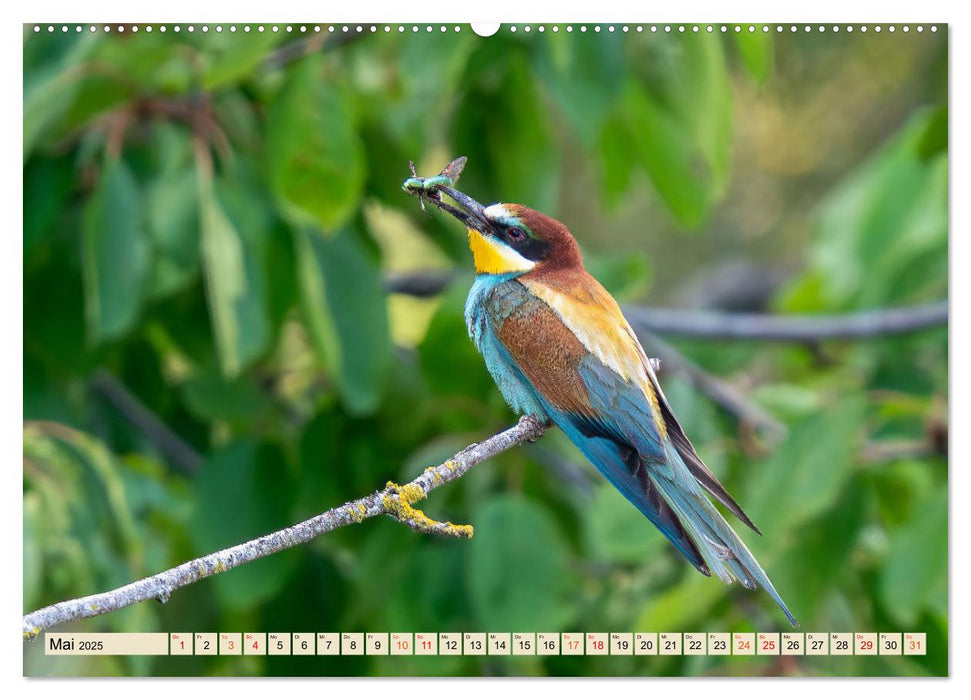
point(437, 479)
point(398, 503)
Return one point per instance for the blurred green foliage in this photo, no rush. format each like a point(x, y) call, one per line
point(210, 217)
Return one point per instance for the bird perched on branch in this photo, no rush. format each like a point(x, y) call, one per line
point(558, 346)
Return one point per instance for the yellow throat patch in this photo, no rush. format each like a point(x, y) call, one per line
point(494, 258)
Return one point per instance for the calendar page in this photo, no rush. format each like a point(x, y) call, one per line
point(448, 349)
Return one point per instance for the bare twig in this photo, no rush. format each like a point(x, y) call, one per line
point(894, 450)
point(794, 329)
point(393, 500)
point(425, 284)
point(174, 448)
point(748, 413)
point(293, 50)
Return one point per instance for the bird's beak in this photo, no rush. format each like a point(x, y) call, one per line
point(472, 214)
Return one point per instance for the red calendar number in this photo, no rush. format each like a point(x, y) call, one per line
point(767, 645)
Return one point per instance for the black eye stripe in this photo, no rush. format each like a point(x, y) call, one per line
point(526, 244)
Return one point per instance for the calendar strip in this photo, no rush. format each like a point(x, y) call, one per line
point(511, 644)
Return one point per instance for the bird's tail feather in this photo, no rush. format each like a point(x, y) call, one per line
point(723, 550)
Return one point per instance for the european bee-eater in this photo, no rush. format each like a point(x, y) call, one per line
point(558, 346)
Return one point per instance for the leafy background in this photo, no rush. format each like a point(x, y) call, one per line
point(210, 223)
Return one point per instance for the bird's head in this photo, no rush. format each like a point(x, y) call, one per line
point(512, 238)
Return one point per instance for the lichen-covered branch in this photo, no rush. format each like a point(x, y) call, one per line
point(394, 500)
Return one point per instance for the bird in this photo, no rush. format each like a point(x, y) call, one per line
point(559, 347)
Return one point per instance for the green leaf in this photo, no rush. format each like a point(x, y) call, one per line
point(149, 63)
point(934, 139)
point(427, 594)
point(617, 160)
point(679, 116)
point(516, 541)
point(54, 320)
point(680, 606)
point(233, 57)
point(915, 571)
point(117, 253)
point(47, 184)
point(617, 531)
point(787, 400)
point(51, 80)
point(83, 507)
point(172, 204)
point(428, 72)
point(212, 397)
point(231, 257)
point(315, 157)
point(705, 100)
point(345, 307)
point(818, 558)
point(755, 49)
point(447, 344)
point(665, 149)
point(98, 73)
point(585, 74)
point(882, 233)
point(236, 113)
point(805, 476)
point(624, 276)
point(502, 126)
point(243, 492)
point(33, 559)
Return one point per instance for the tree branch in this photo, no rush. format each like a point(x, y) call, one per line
point(893, 450)
point(648, 321)
point(318, 41)
point(393, 500)
point(725, 395)
point(688, 323)
point(424, 284)
point(793, 329)
point(166, 441)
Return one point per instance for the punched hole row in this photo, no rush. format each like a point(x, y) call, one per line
point(428, 28)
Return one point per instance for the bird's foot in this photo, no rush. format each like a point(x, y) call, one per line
point(538, 422)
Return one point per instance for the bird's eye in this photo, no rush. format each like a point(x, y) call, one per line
point(516, 234)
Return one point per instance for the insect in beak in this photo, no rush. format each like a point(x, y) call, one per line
point(430, 189)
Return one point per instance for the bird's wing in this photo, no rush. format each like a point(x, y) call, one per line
point(606, 416)
point(595, 382)
point(595, 319)
point(592, 386)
